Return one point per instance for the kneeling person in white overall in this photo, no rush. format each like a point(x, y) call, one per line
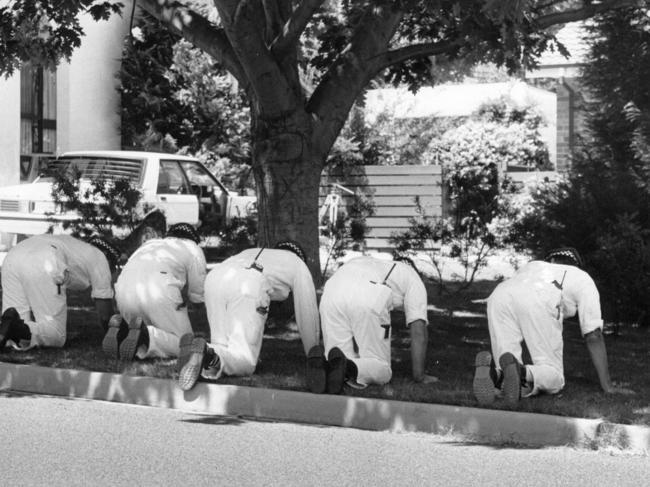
point(355, 307)
point(238, 293)
point(530, 307)
point(36, 275)
point(152, 295)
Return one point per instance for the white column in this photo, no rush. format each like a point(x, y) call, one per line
point(10, 130)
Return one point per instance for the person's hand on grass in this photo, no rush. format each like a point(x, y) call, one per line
point(618, 389)
point(427, 379)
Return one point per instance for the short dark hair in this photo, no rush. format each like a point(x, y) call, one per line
point(292, 246)
point(565, 255)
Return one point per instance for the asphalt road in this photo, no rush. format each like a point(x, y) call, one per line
point(65, 442)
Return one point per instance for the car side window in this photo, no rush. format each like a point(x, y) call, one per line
point(201, 181)
point(171, 179)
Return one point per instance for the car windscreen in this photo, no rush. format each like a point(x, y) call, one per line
point(95, 168)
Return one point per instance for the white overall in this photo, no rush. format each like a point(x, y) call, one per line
point(150, 286)
point(356, 305)
point(237, 299)
point(530, 306)
point(36, 274)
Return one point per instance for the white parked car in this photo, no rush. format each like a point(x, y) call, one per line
point(180, 187)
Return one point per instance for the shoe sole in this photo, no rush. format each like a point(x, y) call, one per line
point(4, 330)
point(316, 373)
point(6, 320)
point(190, 361)
point(109, 343)
point(336, 373)
point(129, 345)
point(484, 390)
point(511, 385)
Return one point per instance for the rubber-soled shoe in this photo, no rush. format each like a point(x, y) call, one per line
point(185, 351)
point(316, 373)
point(129, 345)
point(190, 360)
point(110, 343)
point(211, 364)
point(355, 385)
point(7, 322)
point(511, 385)
point(483, 385)
point(5, 326)
point(336, 362)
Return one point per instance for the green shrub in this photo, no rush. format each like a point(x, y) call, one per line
point(236, 235)
point(621, 267)
point(483, 200)
point(498, 134)
point(103, 206)
point(468, 239)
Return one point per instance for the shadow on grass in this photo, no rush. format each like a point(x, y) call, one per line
point(458, 331)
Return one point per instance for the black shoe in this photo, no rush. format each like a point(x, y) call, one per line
point(192, 358)
point(351, 374)
point(511, 385)
point(336, 367)
point(133, 340)
point(483, 386)
point(10, 318)
point(117, 331)
point(316, 373)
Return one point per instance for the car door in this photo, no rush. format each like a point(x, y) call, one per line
point(212, 196)
point(174, 196)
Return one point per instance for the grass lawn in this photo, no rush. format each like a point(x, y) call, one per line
point(454, 339)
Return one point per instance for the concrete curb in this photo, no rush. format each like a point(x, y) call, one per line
point(471, 424)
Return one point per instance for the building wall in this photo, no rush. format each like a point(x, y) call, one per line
point(9, 130)
point(565, 133)
point(87, 100)
point(570, 120)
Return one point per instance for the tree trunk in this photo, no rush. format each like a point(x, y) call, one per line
point(287, 177)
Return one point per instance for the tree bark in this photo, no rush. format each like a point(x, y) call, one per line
point(287, 176)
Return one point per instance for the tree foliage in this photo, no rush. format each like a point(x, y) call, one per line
point(303, 64)
point(603, 206)
point(499, 134)
point(102, 206)
point(175, 98)
point(475, 156)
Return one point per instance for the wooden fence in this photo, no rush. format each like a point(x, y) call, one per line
point(392, 190)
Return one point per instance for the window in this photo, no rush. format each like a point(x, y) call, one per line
point(201, 181)
point(37, 116)
point(171, 179)
point(100, 168)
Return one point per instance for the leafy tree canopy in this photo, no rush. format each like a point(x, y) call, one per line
point(603, 207)
point(303, 64)
point(506, 32)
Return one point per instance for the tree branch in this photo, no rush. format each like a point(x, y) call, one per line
point(270, 90)
point(197, 30)
point(416, 50)
point(273, 19)
point(295, 26)
point(584, 12)
point(435, 48)
point(346, 78)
